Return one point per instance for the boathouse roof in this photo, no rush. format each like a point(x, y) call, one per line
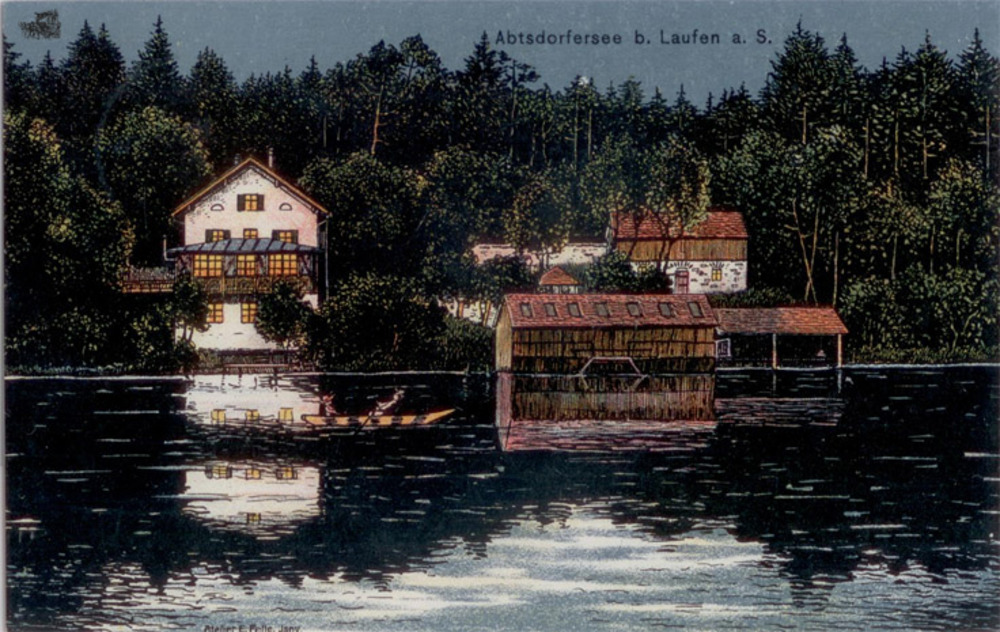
point(562, 311)
point(557, 276)
point(804, 321)
point(242, 246)
point(722, 222)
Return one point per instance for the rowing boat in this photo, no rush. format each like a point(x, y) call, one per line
point(383, 421)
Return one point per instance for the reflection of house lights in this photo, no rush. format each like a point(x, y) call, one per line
point(219, 416)
point(253, 473)
point(252, 415)
point(253, 518)
point(219, 471)
point(284, 473)
point(286, 414)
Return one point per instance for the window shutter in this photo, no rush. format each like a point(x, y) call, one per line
point(226, 234)
point(260, 202)
point(208, 236)
point(241, 202)
point(274, 234)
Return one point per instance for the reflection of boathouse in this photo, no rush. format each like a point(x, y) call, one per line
point(599, 371)
point(652, 333)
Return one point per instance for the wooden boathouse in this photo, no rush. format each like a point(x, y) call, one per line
point(805, 336)
point(569, 333)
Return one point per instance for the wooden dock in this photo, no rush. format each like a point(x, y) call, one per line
point(239, 368)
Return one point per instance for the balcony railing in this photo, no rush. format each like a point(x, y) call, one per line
point(240, 285)
point(148, 280)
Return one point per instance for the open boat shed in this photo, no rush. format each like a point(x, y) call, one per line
point(568, 333)
point(809, 323)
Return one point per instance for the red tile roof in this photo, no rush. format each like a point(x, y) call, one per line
point(557, 276)
point(819, 321)
point(721, 223)
point(646, 306)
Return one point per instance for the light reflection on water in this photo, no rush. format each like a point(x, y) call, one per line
point(800, 507)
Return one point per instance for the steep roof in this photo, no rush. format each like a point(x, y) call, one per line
point(818, 321)
point(721, 223)
point(540, 311)
point(242, 246)
point(249, 163)
point(557, 276)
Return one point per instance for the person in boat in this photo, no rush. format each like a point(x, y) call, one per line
point(386, 407)
point(327, 409)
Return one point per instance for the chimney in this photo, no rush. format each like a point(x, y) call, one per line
point(270, 157)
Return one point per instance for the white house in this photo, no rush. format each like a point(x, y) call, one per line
point(708, 258)
point(244, 231)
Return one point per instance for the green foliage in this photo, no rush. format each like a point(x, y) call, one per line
point(150, 160)
point(753, 297)
point(465, 346)
point(852, 182)
point(374, 322)
point(189, 307)
point(614, 273)
point(282, 315)
point(374, 213)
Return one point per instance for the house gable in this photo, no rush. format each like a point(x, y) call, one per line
point(250, 201)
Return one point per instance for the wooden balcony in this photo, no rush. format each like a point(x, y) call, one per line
point(249, 285)
point(148, 281)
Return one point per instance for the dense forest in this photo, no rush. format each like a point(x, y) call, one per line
point(873, 190)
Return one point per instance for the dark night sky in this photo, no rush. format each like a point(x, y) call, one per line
point(255, 37)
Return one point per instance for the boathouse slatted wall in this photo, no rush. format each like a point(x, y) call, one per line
point(685, 250)
point(563, 344)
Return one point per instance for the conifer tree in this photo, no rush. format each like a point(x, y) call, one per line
point(979, 80)
point(154, 78)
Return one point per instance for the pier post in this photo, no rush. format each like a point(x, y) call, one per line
point(840, 350)
point(774, 351)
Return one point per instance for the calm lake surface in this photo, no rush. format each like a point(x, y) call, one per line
point(804, 506)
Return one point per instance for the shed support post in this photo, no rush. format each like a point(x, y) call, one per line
point(774, 351)
point(840, 350)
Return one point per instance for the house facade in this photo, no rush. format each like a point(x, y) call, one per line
point(241, 234)
point(709, 258)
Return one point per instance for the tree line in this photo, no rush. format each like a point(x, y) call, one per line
point(870, 189)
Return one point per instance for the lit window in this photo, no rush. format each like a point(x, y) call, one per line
point(252, 415)
point(208, 265)
point(666, 310)
point(216, 234)
point(283, 265)
point(695, 309)
point(253, 473)
point(250, 233)
point(219, 415)
point(246, 265)
point(574, 310)
point(219, 471)
point(287, 236)
point(250, 202)
point(601, 309)
point(253, 518)
point(526, 310)
point(716, 274)
point(285, 473)
point(248, 312)
point(214, 313)
point(634, 309)
point(550, 309)
point(286, 414)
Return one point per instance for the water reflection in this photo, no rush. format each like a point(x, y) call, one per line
point(142, 518)
point(263, 498)
point(604, 412)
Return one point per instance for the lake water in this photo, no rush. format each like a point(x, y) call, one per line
point(805, 505)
